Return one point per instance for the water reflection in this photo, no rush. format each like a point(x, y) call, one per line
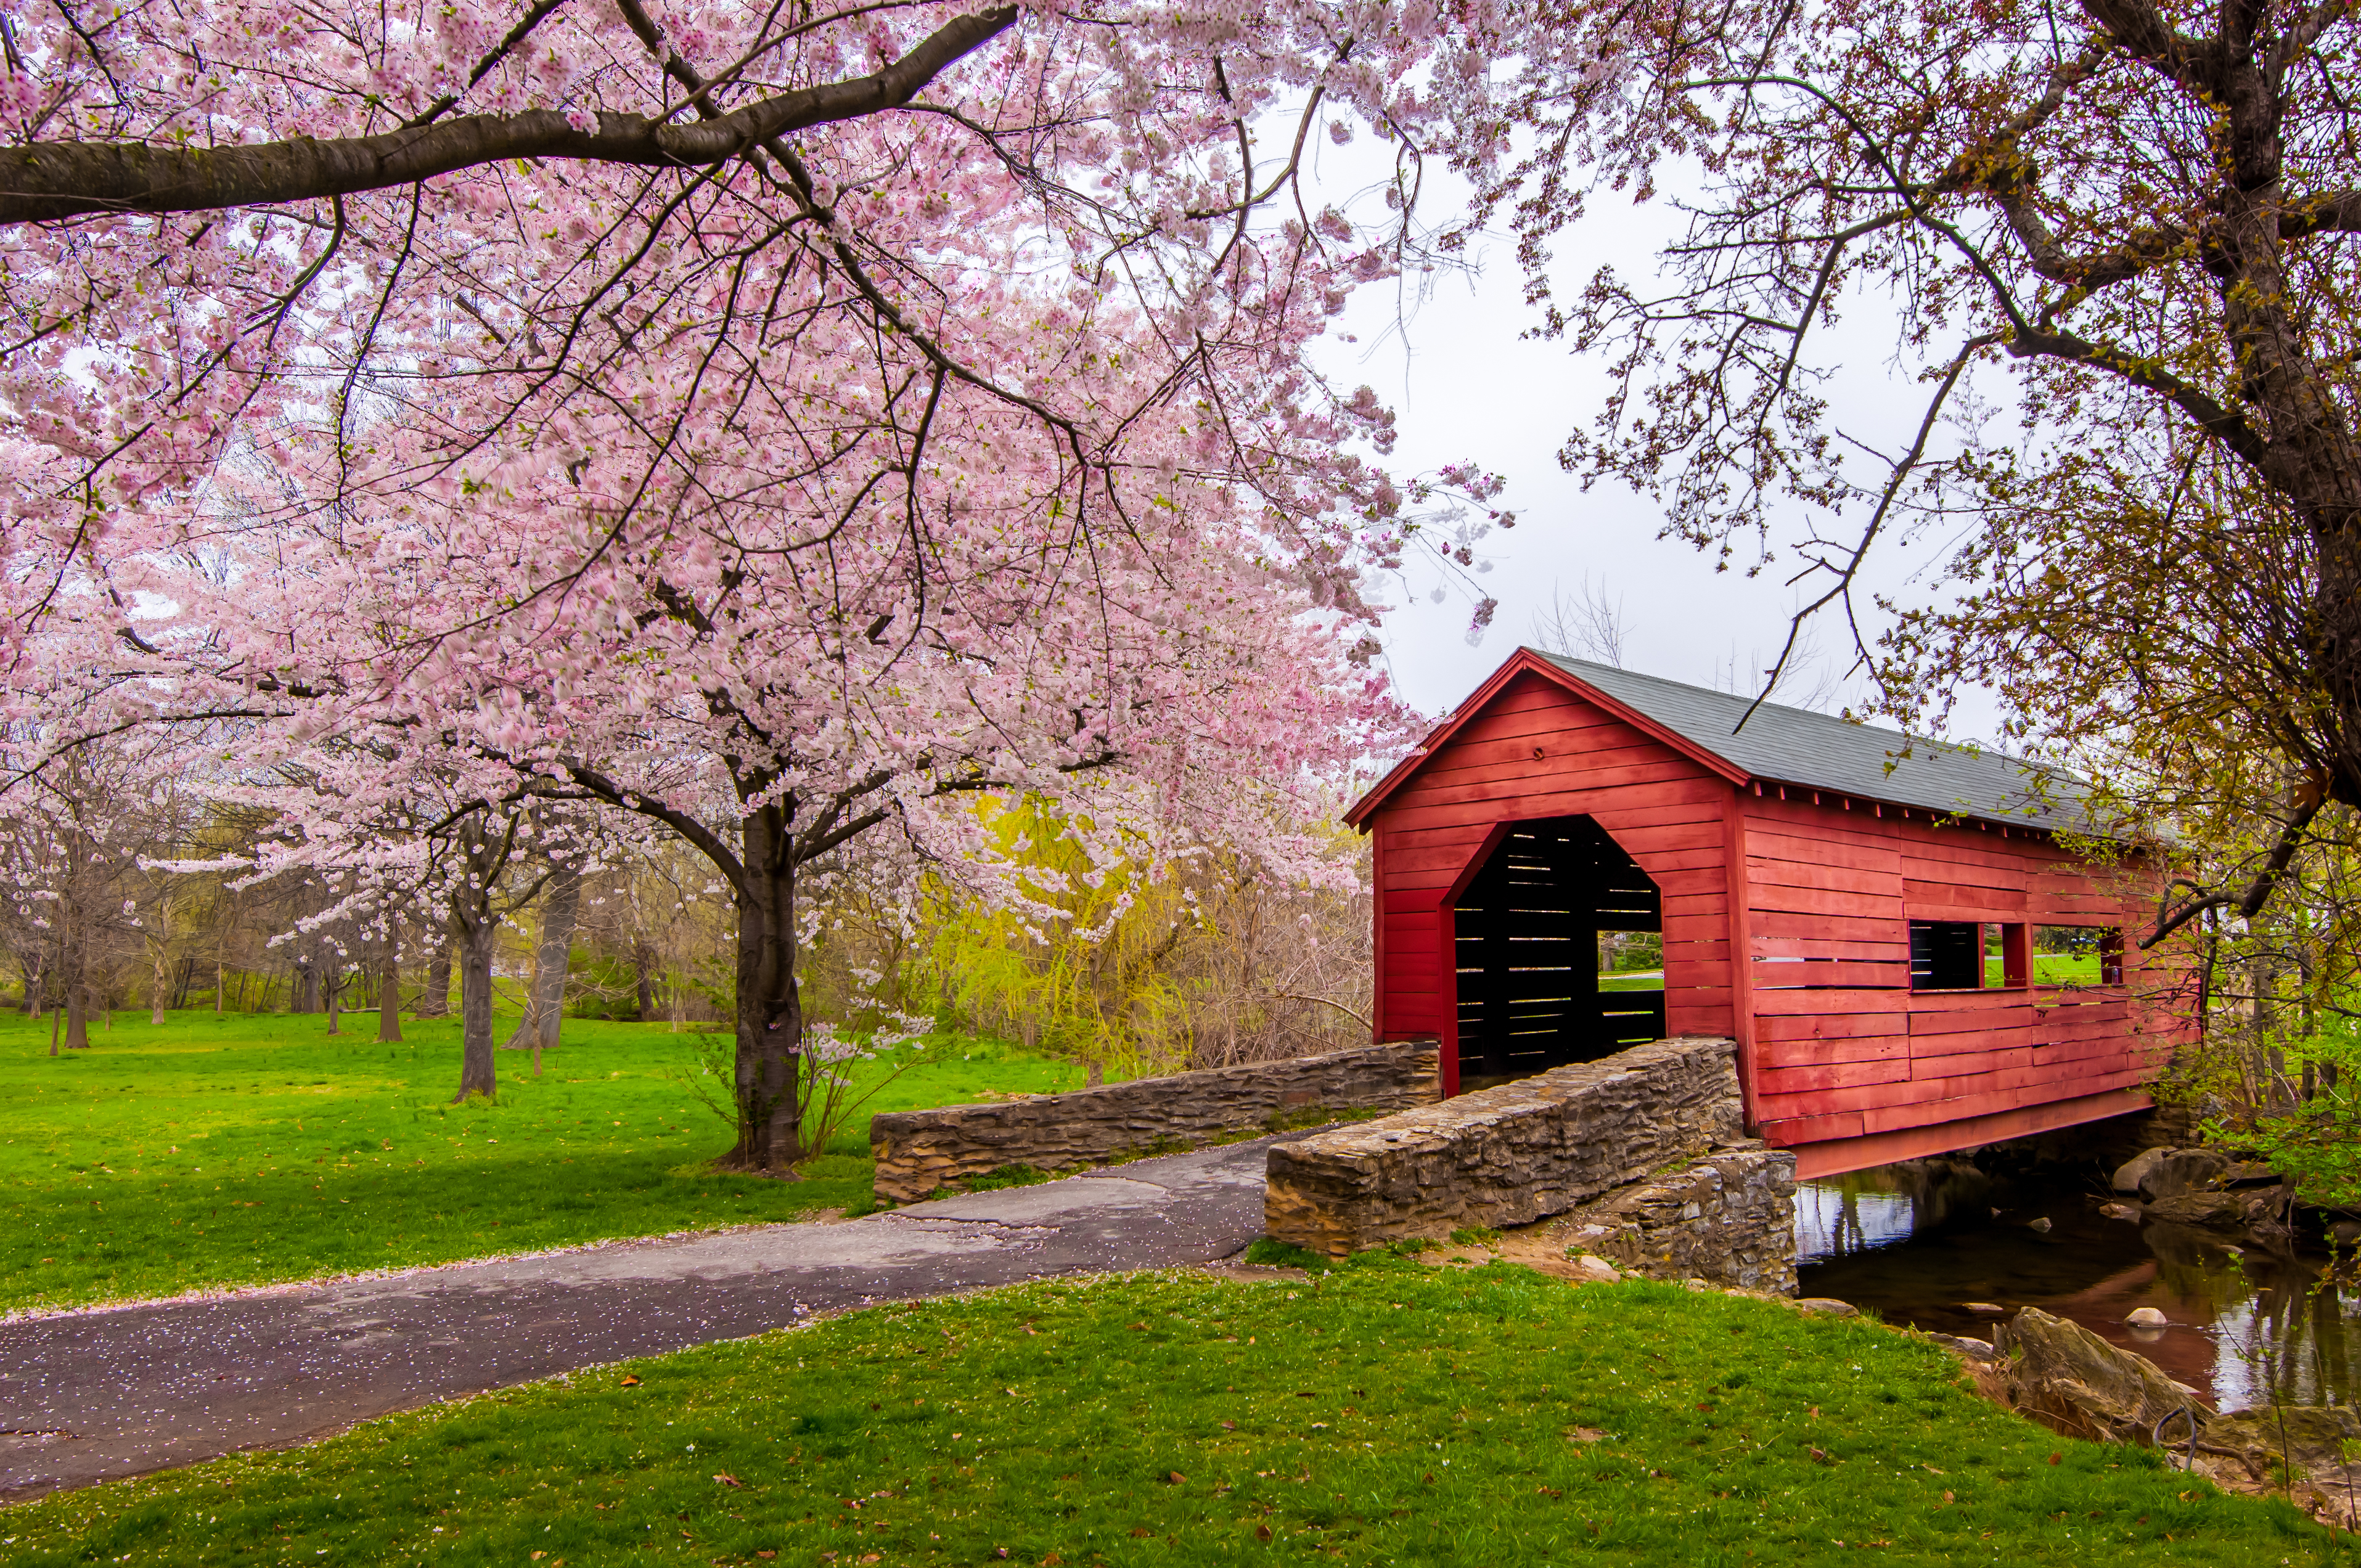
point(1918, 1242)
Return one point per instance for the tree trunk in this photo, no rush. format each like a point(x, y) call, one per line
point(335, 992)
point(435, 1001)
point(35, 977)
point(642, 964)
point(545, 1010)
point(389, 988)
point(159, 979)
point(77, 998)
point(221, 979)
point(770, 1013)
point(478, 933)
point(306, 987)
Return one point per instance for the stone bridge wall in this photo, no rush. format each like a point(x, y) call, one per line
point(920, 1152)
point(1648, 1143)
point(1729, 1216)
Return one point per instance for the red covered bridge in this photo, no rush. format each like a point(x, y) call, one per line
point(1909, 959)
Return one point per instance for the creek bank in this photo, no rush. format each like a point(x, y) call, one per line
point(2253, 1310)
point(2208, 1188)
point(2063, 1375)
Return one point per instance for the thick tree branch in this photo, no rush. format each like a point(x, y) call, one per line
point(48, 180)
point(2221, 424)
point(2336, 212)
point(2308, 801)
point(707, 841)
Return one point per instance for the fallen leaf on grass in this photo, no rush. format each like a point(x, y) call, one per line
point(630, 1381)
point(2057, 1459)
point(1262, 1532)
point(1141, 1533)
point(1586, 1434)
point(730, 1480)
point(1229, 1426)
point(1930, 1470)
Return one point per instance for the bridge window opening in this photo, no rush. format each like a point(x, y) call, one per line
point(1948, 955)
point(2014, 955)
point(1560, 953)
point(2078, 955)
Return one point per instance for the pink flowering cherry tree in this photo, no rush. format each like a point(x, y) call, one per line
point(775, 427)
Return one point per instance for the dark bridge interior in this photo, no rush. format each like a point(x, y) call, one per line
point(1527, 932)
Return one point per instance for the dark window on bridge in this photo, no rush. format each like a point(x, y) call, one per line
point(1969, 955)
point(1946, 955)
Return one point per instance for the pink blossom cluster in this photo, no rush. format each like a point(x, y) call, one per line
point(967, 444)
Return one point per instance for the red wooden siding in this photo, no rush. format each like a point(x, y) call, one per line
point(1785, 924)
point(1537, 751)
point(1844, 1048)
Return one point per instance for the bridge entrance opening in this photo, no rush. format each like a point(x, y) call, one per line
point(1560, 950)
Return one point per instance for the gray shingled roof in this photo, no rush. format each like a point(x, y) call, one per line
point(1796, 746)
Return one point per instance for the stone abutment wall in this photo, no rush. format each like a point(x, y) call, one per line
point(1646, 1149)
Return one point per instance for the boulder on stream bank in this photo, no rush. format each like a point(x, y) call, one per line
point(2166, 1173)
point(2078, 1384)
point(2206, 1190)
point(2073, 1382)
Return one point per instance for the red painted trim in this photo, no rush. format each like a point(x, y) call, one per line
point(1446, 993)
point(1522, 662)
point(1377, 970)
point(1741, 956)
point(1835, 1155)
point(1476, 862)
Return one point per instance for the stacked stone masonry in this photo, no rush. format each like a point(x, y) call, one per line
point(1648, 1143)
point(921, 1152)
point(1730, 1217)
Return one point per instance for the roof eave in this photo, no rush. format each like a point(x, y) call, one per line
point(1523, 659)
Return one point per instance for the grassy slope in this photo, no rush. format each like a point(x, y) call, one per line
point(245, 1149)
point(1385, 1415)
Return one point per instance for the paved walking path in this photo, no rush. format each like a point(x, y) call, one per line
point(97, 1396)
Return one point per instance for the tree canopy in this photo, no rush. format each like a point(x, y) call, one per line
point(2118, 239)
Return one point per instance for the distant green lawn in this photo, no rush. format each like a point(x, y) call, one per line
point(1388, 1414)
point(2051, 969)
point(243, 1149)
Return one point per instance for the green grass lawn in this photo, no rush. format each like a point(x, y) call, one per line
point(2051, 969)
point(242, 1150)
point(1385, 1414)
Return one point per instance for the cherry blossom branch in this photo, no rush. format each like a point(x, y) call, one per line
point(44, 181)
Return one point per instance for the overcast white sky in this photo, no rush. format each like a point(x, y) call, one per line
point(1468, 387)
